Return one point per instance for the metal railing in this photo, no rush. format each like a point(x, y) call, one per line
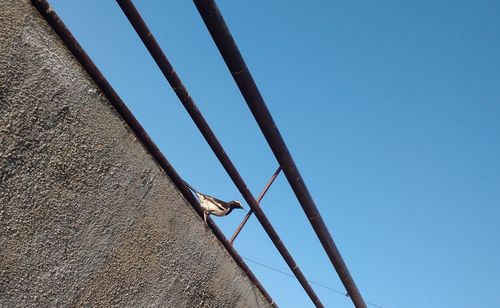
point(222, 37)
point(79, 53)
point(187, 101)
point(244, 80)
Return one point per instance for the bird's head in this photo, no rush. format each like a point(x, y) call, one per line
point(235, 205)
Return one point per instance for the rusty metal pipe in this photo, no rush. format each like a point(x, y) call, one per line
point(262, 194)
point(79, 53)
point(230, 53)
point(168, 71)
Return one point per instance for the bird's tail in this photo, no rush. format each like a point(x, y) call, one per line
point(191, 187)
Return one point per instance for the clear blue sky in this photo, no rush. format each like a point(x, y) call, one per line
point(390, 108)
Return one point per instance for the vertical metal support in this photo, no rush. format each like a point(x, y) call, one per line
point(262, 194)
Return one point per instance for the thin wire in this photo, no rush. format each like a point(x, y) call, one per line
point(310, 281)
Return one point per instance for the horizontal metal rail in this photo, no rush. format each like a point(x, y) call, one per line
point(230, 53)
point(168, 71)
point(79, 53)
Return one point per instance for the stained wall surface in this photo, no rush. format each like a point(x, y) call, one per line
point(87, 217)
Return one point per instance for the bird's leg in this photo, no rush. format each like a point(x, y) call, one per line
point(205, 217)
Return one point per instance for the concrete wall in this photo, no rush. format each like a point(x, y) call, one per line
point(87, 218)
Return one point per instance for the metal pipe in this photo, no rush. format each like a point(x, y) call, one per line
point(81, 56)
point(262, 194)
point(168, 71)
point(229, 50)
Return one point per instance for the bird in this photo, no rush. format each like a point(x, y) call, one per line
point(212, 205)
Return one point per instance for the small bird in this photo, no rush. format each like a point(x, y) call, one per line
point(212, 205)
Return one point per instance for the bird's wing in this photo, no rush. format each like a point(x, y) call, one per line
point(222, 205)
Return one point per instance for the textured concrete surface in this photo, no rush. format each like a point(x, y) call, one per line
point(87, 218)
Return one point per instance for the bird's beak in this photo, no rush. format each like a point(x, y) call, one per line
point(239, 205)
